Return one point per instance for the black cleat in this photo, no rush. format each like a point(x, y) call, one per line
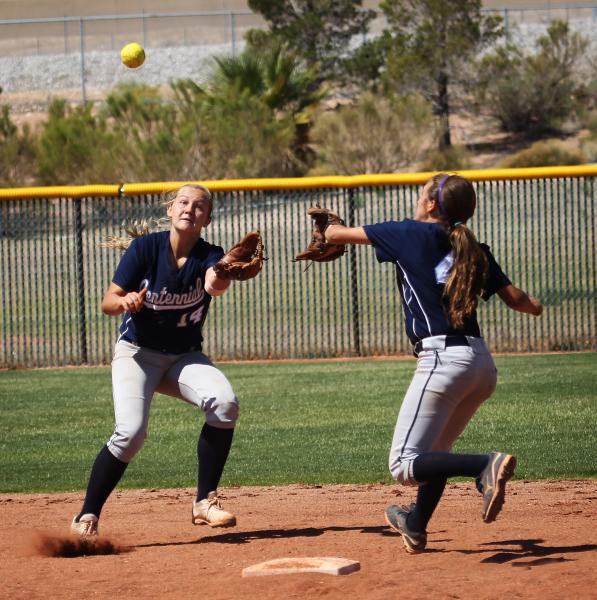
point(414, 541)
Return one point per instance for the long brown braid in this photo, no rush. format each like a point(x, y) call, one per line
point(457, 200)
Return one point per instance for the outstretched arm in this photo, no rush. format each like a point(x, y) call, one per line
point(214, 285)
point(340, 234)
point(518, 300)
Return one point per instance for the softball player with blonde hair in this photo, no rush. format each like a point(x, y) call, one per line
point(442, 270)
point(163, 287)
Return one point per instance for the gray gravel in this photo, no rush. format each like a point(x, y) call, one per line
point(103, 70)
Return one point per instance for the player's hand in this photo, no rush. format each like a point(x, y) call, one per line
point(133, 301)
point(537, 306)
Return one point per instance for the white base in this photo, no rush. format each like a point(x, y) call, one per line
point(314, 564)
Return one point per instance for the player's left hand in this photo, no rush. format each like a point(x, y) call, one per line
point(243, 261)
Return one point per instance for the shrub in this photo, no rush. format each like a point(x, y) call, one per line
point(545, 154)
point(17, 152)
point(589, 144)
point(589, 149)
point(75, 147)
point(454, 158)
point(154, 143)
point(240, 136)
point(375, 135)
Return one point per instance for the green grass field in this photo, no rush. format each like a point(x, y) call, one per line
point(315, 422)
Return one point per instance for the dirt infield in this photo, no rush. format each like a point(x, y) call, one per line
point(543, 545)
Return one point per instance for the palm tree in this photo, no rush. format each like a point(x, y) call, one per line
point(275, 76)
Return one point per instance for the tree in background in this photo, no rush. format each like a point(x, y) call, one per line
point(364, 69)
point(273, 73)
point(242, 137)
point(267, 88)
point(320, 31)
point(257, 112)
point(432, 43)
point(284, 84)
point(534, 93)
point(236, 134)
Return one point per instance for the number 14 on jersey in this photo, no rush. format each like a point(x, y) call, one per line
point(194, 317)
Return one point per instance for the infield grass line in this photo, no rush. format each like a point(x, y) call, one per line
point(304, 422)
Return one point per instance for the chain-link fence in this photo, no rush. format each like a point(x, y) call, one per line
point(540, 226)
point(165, 29)
point(79, 56)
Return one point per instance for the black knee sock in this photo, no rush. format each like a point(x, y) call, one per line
point(106, 472)
point(434, 465)
point(212, 452)
point(428, 497)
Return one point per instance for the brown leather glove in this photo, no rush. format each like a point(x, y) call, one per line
point(244, 260)
point(318, 249)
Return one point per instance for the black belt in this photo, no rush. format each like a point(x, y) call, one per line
point(451, 340)
point(124, 338)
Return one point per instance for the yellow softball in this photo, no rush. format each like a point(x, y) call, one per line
point(132, 55)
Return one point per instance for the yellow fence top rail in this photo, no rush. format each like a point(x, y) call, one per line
point(296, 183)
point(63, 191)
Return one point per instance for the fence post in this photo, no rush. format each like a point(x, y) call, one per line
point(65, 27)
point(82, 47)
point(233, 33)
point(354, 284)
point(80, 278)
point(144, 21)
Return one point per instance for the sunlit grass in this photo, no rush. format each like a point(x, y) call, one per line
point(313, 422)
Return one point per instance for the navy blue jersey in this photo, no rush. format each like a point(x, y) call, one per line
point(422, 254)
point(176, 302)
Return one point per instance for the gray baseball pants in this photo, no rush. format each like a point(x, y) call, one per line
point(447, 388)
point(137, 373)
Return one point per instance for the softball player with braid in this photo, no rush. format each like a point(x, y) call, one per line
point(163, 285)
point(441, 271)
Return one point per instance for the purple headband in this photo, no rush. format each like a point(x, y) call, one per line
point(440, 187)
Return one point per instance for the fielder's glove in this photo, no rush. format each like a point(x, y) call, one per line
point(318, 249)
point(244, 260)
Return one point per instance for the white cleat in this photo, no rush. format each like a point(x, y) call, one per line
point(210, 512)
point(86, 526)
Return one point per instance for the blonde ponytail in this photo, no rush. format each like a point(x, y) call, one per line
point(134, 229)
